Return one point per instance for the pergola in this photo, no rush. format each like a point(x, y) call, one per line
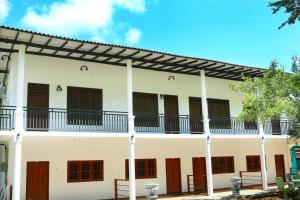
point(62, 47)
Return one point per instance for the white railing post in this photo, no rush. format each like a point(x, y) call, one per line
point(263, 156)
point(210, 189)
point(19, 126)
point(131, 132)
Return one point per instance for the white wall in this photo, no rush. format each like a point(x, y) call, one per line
point(112, 79)
point(114, 151)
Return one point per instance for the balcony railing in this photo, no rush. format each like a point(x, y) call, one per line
point(7, 118)
point(55, 119)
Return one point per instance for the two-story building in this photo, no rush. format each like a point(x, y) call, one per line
point(86, 120)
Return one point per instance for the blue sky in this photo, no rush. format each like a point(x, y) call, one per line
point(237, 31)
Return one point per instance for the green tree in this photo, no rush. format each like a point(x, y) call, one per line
point(289, 6)
point(272, 95)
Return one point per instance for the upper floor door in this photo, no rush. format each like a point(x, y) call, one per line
point(37, 106)
point(171, 114)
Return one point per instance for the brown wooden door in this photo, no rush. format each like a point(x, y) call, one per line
point(196, 123)
point(171, 114)
point(37, 182)
point(173, 175)
point(279, 165)
point(38, 106)
point(199, 174)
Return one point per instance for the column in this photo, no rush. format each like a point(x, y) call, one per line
point(210, 189)
point(263, 156)
point(19, 128)
point(131, 132)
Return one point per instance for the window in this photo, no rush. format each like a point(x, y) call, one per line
point(222, 165)
point(145, 108)
point(144, 168)
point(219, 113)
point(85, 171)
point(253, 163)
point(84, 106)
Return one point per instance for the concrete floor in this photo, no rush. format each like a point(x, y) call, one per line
point(217, 195)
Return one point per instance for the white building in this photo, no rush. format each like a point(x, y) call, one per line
point(67, 124)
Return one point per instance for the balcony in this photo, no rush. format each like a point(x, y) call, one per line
point(55, 119)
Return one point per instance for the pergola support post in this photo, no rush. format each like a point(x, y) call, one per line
point(210, 190)
point(131, 133)
point(263, 156)
point(19, 126)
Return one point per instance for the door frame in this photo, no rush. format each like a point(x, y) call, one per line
point(27, 178)
point(179, 177)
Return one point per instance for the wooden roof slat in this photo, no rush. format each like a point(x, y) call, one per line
point(46, 44)
point(61, 46)
point(120, 52)
point(30, 40)
point(76, 48)
point(191, 62)
point(91, 50)
point(145, 56)
point(162, 62)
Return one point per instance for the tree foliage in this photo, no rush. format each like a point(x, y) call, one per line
point(289, 6)
point(275, 94)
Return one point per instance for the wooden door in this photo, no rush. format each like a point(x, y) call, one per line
point(37, 181)
point(173, 175)
point(279, 165)
point(171, 114)
point(199, 174)
point(38, 106)
point(196, 122)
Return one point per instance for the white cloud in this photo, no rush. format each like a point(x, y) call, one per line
point(133, 36)
point(74, 17)
point(4, 9)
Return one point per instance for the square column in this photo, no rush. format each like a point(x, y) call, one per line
point(19, 126)
point(131, 132)
point(210, 188)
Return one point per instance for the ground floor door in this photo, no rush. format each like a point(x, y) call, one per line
point(279, 165)
point(173, 175)
point(37, 181)
point(199, 174)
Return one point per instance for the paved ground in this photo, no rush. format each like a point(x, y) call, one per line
point(217, 195)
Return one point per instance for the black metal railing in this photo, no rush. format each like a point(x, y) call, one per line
point(169, 124)
point(229, 125)
point(278, 127)
point(54, 119)
point(7, 118)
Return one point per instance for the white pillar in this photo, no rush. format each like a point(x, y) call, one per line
point(19, 126)
point(131, 132)
point(210, 189)
point(263, 156)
